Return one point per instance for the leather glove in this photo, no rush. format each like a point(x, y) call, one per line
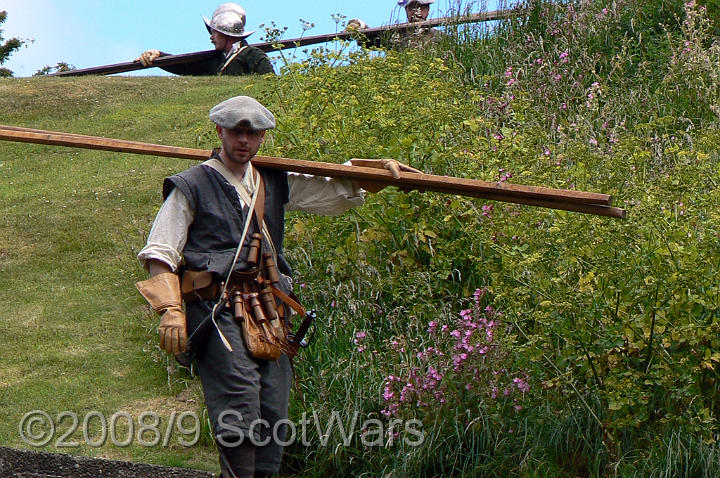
point(173, 331)
point(392, 165)
point(147, 57)
point(162, 292)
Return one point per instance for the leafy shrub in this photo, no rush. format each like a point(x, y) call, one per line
point(614, 321)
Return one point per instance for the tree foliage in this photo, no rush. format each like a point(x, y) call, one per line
point(7, 48)
point(59, 66)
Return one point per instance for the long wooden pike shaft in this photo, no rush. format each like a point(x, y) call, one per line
point(292, 43)
point(136, 65)
point(374, 32)
point(586, 202)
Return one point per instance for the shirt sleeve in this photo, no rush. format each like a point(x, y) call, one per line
point(322, 195)
point(169, 231)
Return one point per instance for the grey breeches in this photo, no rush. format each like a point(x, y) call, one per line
point(246, 399)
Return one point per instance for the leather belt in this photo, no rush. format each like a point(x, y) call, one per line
point(209, 292)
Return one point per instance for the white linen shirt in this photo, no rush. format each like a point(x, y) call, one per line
point(308, 193)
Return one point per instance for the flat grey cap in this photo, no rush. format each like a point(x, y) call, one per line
point(242, 109)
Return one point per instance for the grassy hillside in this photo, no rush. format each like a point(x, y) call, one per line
point(523, 341)
point(77, 337)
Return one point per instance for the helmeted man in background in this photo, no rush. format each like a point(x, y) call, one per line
point(234, 55)
point(199, 252)
point(417, 37)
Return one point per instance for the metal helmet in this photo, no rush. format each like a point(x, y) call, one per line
point(229, 7)
point(228, 19)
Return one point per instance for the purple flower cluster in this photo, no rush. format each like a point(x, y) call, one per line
point(459, 359)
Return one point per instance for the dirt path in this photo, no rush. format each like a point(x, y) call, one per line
point(36, 464)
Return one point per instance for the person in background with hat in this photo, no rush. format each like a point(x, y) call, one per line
point(234, 55)
point(417, 37)
point(197, 231)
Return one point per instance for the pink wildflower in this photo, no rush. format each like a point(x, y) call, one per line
point(521, 384)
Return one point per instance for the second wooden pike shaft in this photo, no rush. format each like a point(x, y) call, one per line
point(585, 202)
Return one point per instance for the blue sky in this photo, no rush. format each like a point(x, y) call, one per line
point(87, 33)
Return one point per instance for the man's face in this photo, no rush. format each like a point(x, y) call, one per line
point(240, 144)
point(417, 12)
point(221, 41)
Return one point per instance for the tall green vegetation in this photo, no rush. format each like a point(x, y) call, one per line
point(602, 345)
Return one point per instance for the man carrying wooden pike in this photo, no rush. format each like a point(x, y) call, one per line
point(217, 245)
point(234, 56)
point(415, 38)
